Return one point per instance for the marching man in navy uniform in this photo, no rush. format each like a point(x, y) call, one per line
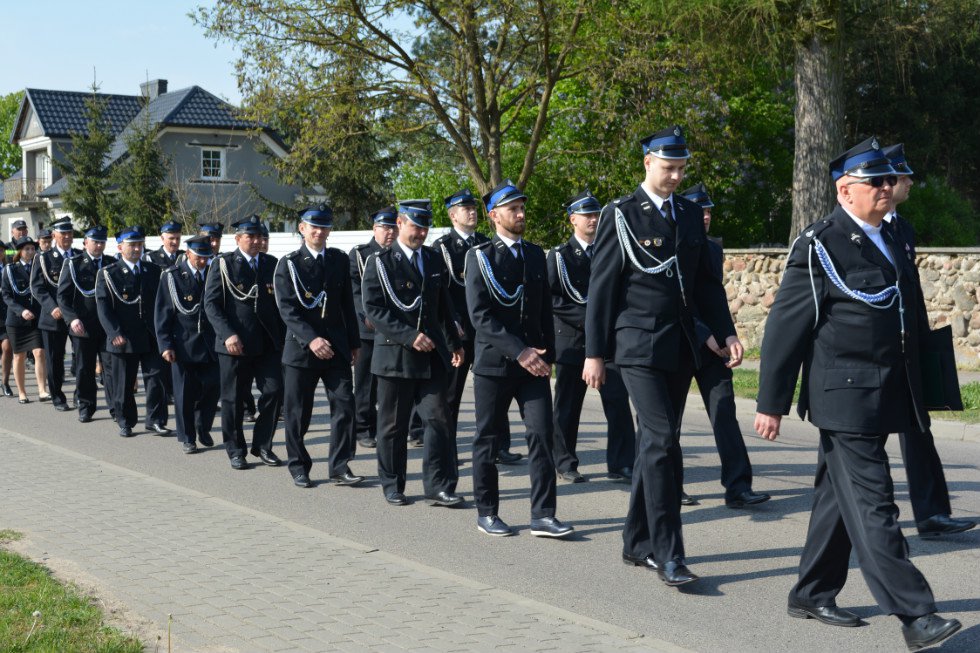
point(316, 302)
point(169, 253)
point(714, 377)
point(406, 297)
point(186, 341)
point(44, 286)
point(928, 491)
point(569, 269)
point(76, 298)
point(365, 384)
point(849, 312)
point(651, 276)
point(510, 306)
point(125, 295)
point(239, 301)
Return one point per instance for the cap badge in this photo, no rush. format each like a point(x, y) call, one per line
point(874, 144)
point(677, 131)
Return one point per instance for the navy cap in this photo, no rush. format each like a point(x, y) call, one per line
point(863, 160)
point(385, 216)
point(265, 230)
point(583, 203)
point(896, 154)
point(62, 225)
point(699, 195)
point(462, 197)
point(18, 243)
point(171, 227)
point(666, 144)
point(134, 234)
point(418, 211)
point(200, 245)
point(505, 193)
point(212, 228)
point(18, 224)
point(43, 233)
point(98, 233)
point(318, 216)
point(250, 225)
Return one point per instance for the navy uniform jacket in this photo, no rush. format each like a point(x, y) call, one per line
point(856, 376)
point(191, 337)
point(15, 302)
point(642, 319)
point(119, 318)
point(453, 247)
point(569, 313)
point(359, 256)
point(253, 319)
point(45, 274)
point(336, 321)
point(160, 258)
point(75, 305)
point(503, 332)
point(397, 329)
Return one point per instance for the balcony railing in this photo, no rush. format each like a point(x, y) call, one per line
point(24, 189)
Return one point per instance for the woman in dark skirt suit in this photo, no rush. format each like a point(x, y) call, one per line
point(7, 352)
point(21, 320)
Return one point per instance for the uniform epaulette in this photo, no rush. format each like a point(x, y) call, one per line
point(362, 246)
point(622, 200)
point(292, 254)
point(813, 230)
point(482, 245)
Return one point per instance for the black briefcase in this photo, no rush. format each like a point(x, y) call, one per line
point(940, 384)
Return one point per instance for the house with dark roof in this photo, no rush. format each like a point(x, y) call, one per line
point(219, 162)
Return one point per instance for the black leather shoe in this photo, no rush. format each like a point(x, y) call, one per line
point(550, 527)
point(84, 419)
point(396, 499)
point(157, 429)
point(747, 498)
point(624, 475)
point(572, 476)
point(347, 478)
point(7, 392)
point(268, 457)
point(938, 525)
point(64, 408)
point(205, 439)
point(444, 499)
point(302, 480)
point(674, 574)
point(928, 630)
point(647, 562)
point(188, 447)
point(125, 432)
point(688, 500)
point(508, 458)
point(238, 462)
point(827, 614)
point(493, 525)
point(368, 442)
point(249, 417)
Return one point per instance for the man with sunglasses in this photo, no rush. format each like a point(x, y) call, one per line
point(850, 312)
point(927, 482)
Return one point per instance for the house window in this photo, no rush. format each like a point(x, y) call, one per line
point(212, 164)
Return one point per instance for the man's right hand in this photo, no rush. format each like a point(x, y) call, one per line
point(594, 372)
point(78, 328)
point(423, 343)
point(322, 348)
point(119, 341)
point(234, 345)
point(532, 361)
point(27, 315)
point(169, 355)
point(767, 425)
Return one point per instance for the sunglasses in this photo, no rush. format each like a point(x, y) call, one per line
point(876, 182)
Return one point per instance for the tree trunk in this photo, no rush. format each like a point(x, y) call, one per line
point(819, 118)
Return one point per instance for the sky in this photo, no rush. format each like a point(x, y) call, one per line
point(55, 45)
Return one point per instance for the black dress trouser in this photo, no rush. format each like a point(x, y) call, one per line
point(54, 351)
point(854, 506)
point(196, 389)
point(86, 390)
point(396, 399)
point(237, 373)
point(123, 370)
point(365, 393)
point(926, 480)
point(300, 384)
point(493, 396)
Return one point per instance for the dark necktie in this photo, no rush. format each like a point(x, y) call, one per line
point(588, 250)
point(136, 273)
point(518, 252)
point(417, 262)
point(254, 264)
point(470, 240)
point(98, 263)
point(669, 213)
point(198, 278)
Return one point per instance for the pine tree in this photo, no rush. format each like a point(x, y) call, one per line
point(86, 196)
point(142, 195)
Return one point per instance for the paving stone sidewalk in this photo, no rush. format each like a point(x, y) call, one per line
point(237, 579)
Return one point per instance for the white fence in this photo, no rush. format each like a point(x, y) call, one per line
point(281, 243)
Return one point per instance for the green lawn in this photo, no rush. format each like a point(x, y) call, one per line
point(62, 620)
point(746, 384)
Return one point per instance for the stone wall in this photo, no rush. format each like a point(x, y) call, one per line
point(950, 285)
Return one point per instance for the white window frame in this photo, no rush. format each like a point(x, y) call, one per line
point(222, 162)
